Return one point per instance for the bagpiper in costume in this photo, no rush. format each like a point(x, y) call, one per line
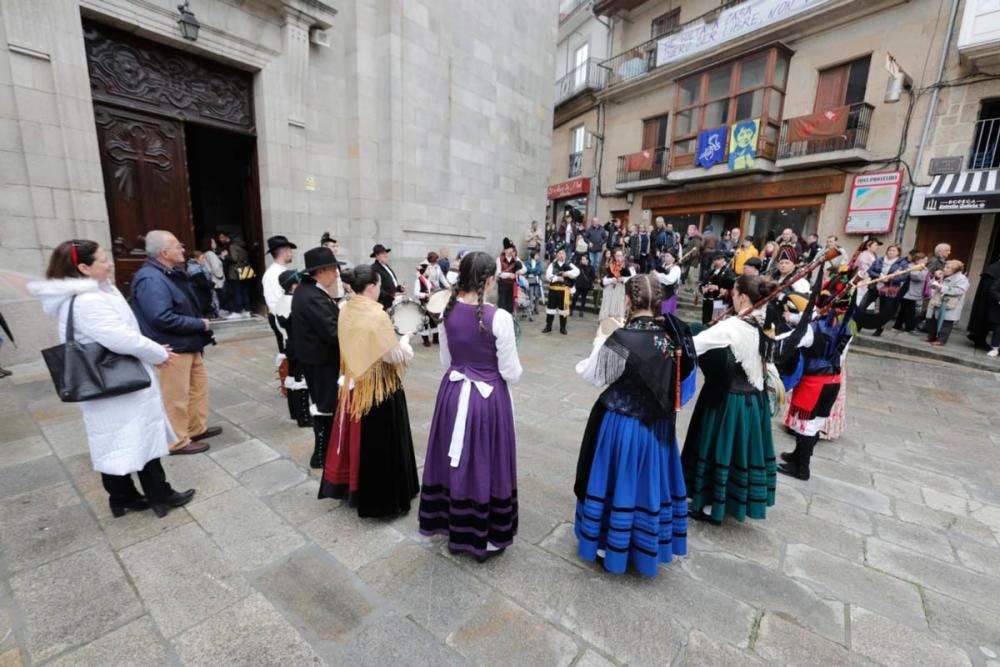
point(560, 276)
point(293, 380)
point(509, 267)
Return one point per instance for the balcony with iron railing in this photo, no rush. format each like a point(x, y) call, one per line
point(985, 150)
point(575, 164)
point(835, 135)
point(588, 76)
point(645, 169)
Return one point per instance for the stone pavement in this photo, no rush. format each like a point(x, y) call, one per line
point(889, 555)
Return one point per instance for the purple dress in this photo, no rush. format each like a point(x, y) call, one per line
point(474, 502)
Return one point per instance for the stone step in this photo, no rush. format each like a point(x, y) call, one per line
point(253, 327)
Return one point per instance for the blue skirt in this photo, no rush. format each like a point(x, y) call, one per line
point(635, 508)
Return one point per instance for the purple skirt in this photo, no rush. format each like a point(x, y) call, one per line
point(669, 306)
point(475, 503)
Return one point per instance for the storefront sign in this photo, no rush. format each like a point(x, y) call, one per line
point(743, 144)
point(974, 202)
point(711, 147)
point(872, 207)
point(730, 24)
point(571, 188)
point(945, 165)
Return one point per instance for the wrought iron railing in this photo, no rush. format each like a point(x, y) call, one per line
point(651, 163)
point(632, 64)
point(575, 164)
point(855, 135)
point(985, 150)
point(588, 76)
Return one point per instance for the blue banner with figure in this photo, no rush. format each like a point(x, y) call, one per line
point(711, 147)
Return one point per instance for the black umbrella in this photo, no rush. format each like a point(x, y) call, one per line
point(6, 330)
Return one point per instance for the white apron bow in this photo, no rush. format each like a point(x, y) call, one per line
point(458, 432)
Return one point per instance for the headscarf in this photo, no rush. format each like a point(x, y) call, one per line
point(366, 335)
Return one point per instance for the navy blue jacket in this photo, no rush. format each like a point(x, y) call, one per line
point(167, 309)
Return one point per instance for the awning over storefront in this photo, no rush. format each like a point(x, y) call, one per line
point(977, 190)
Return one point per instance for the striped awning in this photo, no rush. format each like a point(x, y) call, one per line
point(977, 190)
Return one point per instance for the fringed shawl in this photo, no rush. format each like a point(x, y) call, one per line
point(366, 336)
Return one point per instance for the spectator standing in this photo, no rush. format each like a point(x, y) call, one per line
point(584, 283)
point(128, 433)
point(533, 239)
point(201, 283)
point(942, 251)
point(867, 256)
point(832, 266)
point(888, 291)
point(596, 240)
point(985, 308)
point(949, 287)
point(238, 274)
point(692, 252)
point(913, 295)
point(745, 252)
point(217, 271)
point(768, 258)
point(167, 312)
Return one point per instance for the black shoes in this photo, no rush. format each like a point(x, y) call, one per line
point(793, 470)
point(548, 323)
point(175, 499)
point(140, 504)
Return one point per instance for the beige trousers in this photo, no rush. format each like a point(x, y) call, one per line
point(184, 385)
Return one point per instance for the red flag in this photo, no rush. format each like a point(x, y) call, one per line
point(819, 125)
point(641, 161)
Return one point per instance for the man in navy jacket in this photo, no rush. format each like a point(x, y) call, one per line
point(167, 311)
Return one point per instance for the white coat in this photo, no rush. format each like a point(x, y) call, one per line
point(124, 432)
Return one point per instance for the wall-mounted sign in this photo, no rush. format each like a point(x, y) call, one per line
point(743, 144)
point(945, 165)
point(310, 183)
point(711, 147)
point(729, 24)
point(872, 207)
point(576, 186)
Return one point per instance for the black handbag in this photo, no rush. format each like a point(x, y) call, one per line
point(87, 371)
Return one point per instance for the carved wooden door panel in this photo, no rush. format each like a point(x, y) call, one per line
point(145, 182)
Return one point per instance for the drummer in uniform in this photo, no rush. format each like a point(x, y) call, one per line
point(430, 280)
point(391, 287)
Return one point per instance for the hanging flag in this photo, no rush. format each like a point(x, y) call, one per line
point(641, 161)
point(821, 125)
point(743, 144)
point(711, 147)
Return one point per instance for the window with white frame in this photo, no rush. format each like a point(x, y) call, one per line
point(580, 57)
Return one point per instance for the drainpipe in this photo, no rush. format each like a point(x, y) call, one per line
point(931, 109)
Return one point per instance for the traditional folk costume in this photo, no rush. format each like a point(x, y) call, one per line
point(669, 278)
point(613, 300)
point(293, 379)
point(469, 491)
point(712, 302)
point(823, 350)
point(728, 454)
point(631, 498)
point(423, 287)
point(507, 272)
point(370, 461)
point(560, 277)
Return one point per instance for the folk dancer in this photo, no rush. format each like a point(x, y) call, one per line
point(280, 249)
point(293, 380)
point(615, 276)
point(631, 499)
point(668, 274)
point(370, 461)
point(560, 276)
point(715, 285)
point(469, 490)
point(315, 341)
point(423, 287)
point(508, 268)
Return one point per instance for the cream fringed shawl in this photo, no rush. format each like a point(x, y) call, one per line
point(743, 339)
point(366, 336)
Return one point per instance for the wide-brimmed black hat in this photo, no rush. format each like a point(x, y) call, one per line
point(754, 262)
point(319, 258)
point(279, 241)
point(379, 248)
point(288, 278)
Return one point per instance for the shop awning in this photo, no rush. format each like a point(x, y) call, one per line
point(977, 190)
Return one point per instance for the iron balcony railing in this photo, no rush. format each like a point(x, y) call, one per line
point(631, 64)
point(575, 164)
point(855, 135)
point(985, 150)
point(588, 76)
point(651, 163)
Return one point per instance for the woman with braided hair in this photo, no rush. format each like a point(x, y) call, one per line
point(370, 459)
point(469, 491)
point(631, 500)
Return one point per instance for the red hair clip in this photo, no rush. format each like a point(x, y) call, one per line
point(72, 251)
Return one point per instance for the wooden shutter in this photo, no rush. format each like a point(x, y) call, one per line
point(832, 87)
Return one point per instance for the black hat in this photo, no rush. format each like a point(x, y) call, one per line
point(319, 258)
point(379, 248)
point(279, 241)
point(754, 262)
point(326, 238)
point(288, 278)
point(718, 255)
point(507, 243)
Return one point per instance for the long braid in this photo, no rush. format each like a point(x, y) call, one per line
point(451, 304)
point(479, 309)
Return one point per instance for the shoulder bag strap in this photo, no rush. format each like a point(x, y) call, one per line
point(69, 321)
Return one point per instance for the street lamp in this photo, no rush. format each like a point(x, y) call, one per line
point(188, 23)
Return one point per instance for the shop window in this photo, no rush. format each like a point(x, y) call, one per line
point(842, 85)
point(767, 224)
point(985, 151)
point(665, 23)
point(748, 88)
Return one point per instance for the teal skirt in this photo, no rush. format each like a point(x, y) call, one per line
point(728, 457)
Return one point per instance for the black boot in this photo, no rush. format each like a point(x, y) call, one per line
point(293, 408)
point(301, 398)
point(796, 464)
point(322, 425)
point(548, 323)
point(175, 499)
point(562, 325)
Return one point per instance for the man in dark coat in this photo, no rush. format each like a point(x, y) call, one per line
point(168, 312)
point(315, 344)
point(715, 286)
point(985, 316)
point(390, 284)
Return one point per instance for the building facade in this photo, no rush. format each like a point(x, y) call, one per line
point(417, 124)
point(809, 115)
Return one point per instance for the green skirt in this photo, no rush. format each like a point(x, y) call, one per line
point(728, 457)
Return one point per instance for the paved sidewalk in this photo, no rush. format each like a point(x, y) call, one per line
point(889, 555)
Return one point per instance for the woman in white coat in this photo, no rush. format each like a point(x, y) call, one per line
point(127, 433)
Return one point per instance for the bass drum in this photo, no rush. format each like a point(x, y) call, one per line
point(408, 316)
point(438, 301)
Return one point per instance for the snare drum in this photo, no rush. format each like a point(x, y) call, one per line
point(438, 301)
point(408, 316)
